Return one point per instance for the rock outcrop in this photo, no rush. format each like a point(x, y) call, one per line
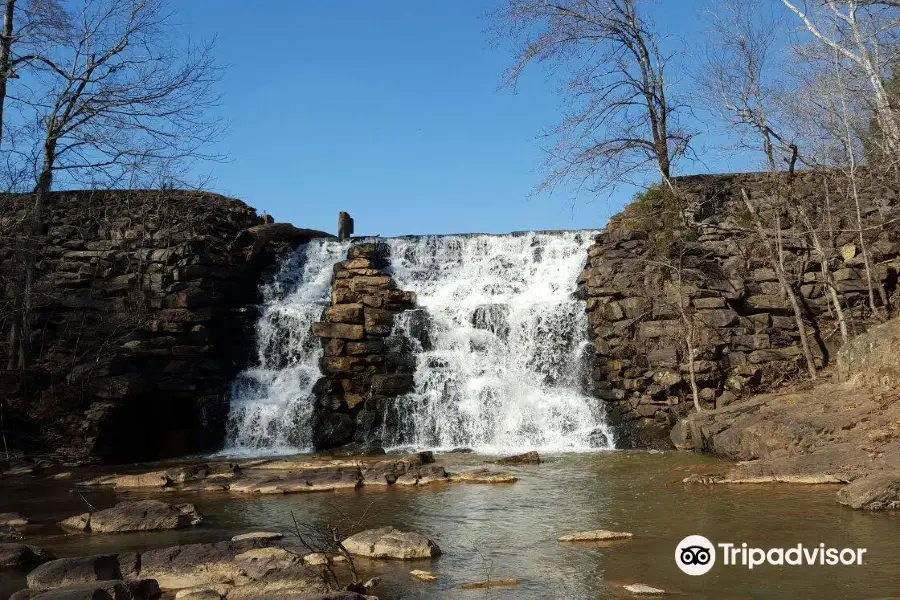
point(362, 366)
point(813, 434)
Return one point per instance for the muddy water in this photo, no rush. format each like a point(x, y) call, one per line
point(504, 531)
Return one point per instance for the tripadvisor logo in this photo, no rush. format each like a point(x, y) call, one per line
point(696, 555)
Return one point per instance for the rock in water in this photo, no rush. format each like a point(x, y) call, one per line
point(528, 458)
point(143, 515)
point(18, 556)
point(423, 575)
point(389, 542)
point(641, 589)
point(597, 535)
point(12, 519)
point(875, 492)
point(488, 583)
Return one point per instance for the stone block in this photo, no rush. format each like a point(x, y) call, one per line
point(345, 313)
point(338, 330)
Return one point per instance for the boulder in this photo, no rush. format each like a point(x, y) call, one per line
point(528, 458)
point(142, 515)
point(67, 572)
point(145, 589)
point(19, 556)
point(12, 519)
point(194, 565)
point(388, 542)
point(597, 535)
point(875, 492)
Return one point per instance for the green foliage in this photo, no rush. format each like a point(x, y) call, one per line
point(659, 211)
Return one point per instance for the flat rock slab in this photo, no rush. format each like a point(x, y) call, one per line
point(421, 575)
point(20, 556)
point(388, 542)
point(597, 535)
point(821, 434)
point(641, 589)
point(143, 515)
point(12, 519)
point(482, 476)
point(488, 583)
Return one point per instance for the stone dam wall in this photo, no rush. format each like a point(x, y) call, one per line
point(145, 304)
point(745, 335)
point(143, 313)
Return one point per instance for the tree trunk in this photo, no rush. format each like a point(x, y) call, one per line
point(776, 265)
point(34, 231)
point(5, 56)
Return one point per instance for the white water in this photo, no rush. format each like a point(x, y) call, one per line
point(501, 344)
point(272, 403)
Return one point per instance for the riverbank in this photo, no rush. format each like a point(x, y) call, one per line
point(493, 532)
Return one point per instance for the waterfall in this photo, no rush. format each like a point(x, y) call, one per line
point(272, 402)
point(499, 335)
point(501, 344)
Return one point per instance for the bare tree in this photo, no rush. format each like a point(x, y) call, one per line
point(740, 79)
point(117, 98)
point(776, 263)
point(621, 118)
point(855, 30)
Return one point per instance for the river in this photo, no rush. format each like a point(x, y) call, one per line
point(510, 530)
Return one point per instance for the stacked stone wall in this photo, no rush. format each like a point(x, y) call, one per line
point(719, 290)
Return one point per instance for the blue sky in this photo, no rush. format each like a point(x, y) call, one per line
point(391, 111)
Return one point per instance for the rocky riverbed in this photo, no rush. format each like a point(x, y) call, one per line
point(618, 514)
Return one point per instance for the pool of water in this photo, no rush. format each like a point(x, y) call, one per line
point(510, 531)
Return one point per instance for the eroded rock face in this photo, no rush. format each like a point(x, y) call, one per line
point(388, 542)
point(871, 359)
point(143, 515)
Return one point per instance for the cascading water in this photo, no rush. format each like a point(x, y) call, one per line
point(272, 403)
point(501, 344)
